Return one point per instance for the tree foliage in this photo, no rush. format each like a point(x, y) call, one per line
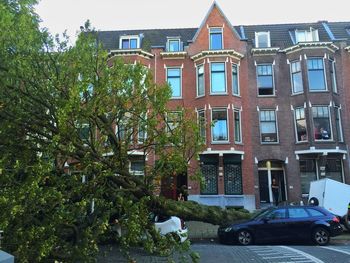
point(59, 107)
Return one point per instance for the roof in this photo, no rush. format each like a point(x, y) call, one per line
point(280, 34)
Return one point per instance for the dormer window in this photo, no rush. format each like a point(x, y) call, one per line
point(262, 39)
point(215, 39)
point(306, 35)
point(129, 42)
point(174, 45)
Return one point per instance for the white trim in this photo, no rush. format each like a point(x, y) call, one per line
point(129, 37)
point(222, 37)
point(257, 34)
point(276, 124)
point(240, 125)
point(338, 109)
point(197, 66)
point(330, 124)
point(322, 151)
point(291, 77)
point(205, 122)
point(295, 126)
point(222, 152)
point(173, 39)
point(273, 78)
point(227, 126)
point(238, 79)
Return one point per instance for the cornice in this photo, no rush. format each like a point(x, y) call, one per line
point(173, 55)
point(265, 51)
point(130, 52)
point(311, 45)
point(214, 53)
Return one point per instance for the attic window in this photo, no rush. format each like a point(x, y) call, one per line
point(216, 38)
point(306, 35)
point(174, 45)
point(129, 42)
point(262, 39)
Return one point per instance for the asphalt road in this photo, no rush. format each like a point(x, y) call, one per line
point(212, 252)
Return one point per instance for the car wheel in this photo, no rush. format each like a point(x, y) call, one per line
point(244, 237)
point(321, 236)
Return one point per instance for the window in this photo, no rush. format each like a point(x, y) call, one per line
point(174, 45)
point(314, 212)
point(300, 125)
point(217, 78)
point(306, 35)
point(268, 127)
point(322, 123)
point(237, 120)
point(297, 213)
point(137, 167)
point(84, 132)
point(141, 133)
point(333, 75)
point(262, 39)
point(129, 42)
point(297, 81)
point(235, 81)
point(200, 80)
point(173, 120)
point(265, 80)
point(338, 124)
point(174, 80)
point(334, 169)
point(277, 214)
point(219, 125)
point(215, 38)
point(307, 174)
point(316, 74)
point(202, 124)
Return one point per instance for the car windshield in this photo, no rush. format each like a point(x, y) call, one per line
point(262, 213)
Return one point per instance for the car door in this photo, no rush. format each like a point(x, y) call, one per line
point(273, 226)
point(299, 223)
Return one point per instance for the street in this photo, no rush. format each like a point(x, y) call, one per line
point(338, 252)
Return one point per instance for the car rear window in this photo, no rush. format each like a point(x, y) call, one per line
point(314, 212)
point(297, 213)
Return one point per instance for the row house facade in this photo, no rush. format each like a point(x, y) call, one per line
point(271, 100)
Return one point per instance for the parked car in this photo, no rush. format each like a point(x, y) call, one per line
point(172, 225)
point(284, 223)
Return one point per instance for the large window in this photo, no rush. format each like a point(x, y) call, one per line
point(334, 169)
point(200, 80)
point(215, 38)
point(173, 120)
point(265, 80)
point(297, 81)
point(338, 124)
point(306, 35)
point(219, 125)
point(202, 124)
point(268, 126)
point(333, 75)
point(235, 80)
point(322, 123)
point(174, 80)
point(316, 76)
point(307, 174)
point(237, 120)
point(217, 78)
point(300, 125)
point(173, 45)
point(262, 39)
point(129, 42)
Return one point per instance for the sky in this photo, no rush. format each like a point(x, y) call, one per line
point(61, 15)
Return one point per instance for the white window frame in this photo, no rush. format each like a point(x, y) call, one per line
point(197, 86)
point(173, 39)
point(166, 77)
point(238, 86)
point(324, 75)
point(338, 109)
point(222, 37)
point(277, 133)
point(240, 125)
point(295, 125)
point(225, 78)
point(168, 129)
point(133, 172)
point(291, 77)
point(273, 79)
point(227, 126)
point(330, 124)
point(311, 35)
point(334, 77)
point(257, 34)
point(145, 132)
point(205, 122)
point(121, 38)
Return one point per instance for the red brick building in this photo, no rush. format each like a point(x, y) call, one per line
point(272, 102)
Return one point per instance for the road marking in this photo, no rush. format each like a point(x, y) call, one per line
point(308, 256)
point(337, 250)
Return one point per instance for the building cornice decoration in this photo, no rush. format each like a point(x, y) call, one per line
point(265, 51)
point(130, 52)
point(311, 45)
point(173, 55)
point(312, 150)
point(217, 53)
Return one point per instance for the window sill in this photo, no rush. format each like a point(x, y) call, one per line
point(239, 143)
point(223, 142)
point(269, 143)
point(218, 94)
point(324, 141)
point(318, 91)
point(198, 97)
point(296, 94)
point(267, 96)
point(237, 95)
point(302, 142)
point(176, 98)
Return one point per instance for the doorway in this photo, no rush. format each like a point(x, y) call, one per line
point(268, 170)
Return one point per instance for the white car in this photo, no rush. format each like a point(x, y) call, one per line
point(172, 225)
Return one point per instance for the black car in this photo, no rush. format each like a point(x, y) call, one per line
point(283, 223)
